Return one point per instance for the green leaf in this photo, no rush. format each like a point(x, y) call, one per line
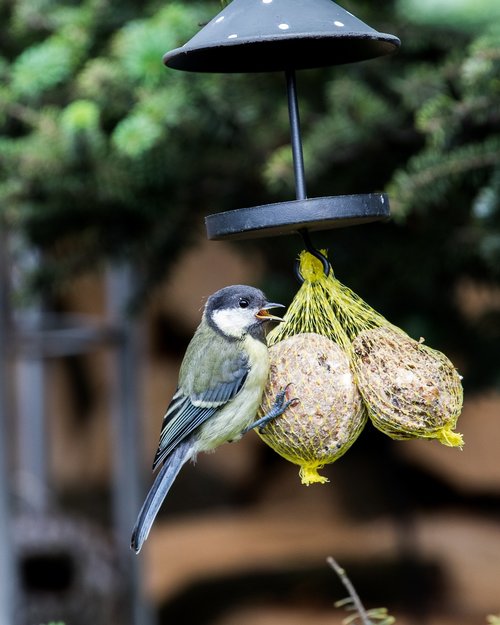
point(141, 44)
point(136, 134)
point(80, 115)
point(44, 65)
point(467, 15)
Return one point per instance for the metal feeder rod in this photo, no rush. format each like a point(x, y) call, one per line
point(298, 155)
point(298, 164)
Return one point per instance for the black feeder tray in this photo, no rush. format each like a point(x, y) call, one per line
point(286, 35)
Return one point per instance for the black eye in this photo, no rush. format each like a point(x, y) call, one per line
point(243, 303)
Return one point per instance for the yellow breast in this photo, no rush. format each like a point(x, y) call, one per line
point(240, 412)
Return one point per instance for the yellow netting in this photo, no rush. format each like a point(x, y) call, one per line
point(408, 389)
point(411, 390)
point(330, 413)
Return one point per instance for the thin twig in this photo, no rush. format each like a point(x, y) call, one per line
point(351, 590)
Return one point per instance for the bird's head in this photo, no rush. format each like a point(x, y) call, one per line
point(238, 310)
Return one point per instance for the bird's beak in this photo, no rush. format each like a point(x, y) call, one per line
point(266, 316)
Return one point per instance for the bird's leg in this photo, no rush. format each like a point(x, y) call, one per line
point(278, 408)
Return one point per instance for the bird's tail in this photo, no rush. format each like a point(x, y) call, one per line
point(163, 481)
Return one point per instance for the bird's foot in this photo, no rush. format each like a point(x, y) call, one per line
point(280, 405)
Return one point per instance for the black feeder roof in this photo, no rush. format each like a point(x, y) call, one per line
point(274, 35)
point(286, 35)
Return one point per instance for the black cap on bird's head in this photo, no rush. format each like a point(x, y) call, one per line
point(235, 310)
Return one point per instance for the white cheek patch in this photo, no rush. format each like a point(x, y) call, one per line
point(235, 321)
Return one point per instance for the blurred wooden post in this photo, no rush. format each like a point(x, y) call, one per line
point(31, 407)
point(127, 456)
point(7, 570)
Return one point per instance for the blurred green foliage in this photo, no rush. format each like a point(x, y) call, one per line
point(105, 153)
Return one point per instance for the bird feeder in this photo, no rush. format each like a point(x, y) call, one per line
point(286, 35)
point(289, 35)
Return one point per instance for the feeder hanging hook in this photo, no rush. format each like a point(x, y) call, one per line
point(304, 233)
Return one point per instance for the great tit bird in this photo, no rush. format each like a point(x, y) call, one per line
point(221, 381)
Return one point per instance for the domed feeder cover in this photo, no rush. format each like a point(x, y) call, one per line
point(286, 35)
point(272, 35)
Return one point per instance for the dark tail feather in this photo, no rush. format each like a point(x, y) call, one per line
point(164, 480)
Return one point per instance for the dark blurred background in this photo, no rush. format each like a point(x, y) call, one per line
point(108, 164)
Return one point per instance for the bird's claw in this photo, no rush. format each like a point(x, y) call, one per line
point(279, 407)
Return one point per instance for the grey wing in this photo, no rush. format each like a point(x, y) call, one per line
point(188, 410)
